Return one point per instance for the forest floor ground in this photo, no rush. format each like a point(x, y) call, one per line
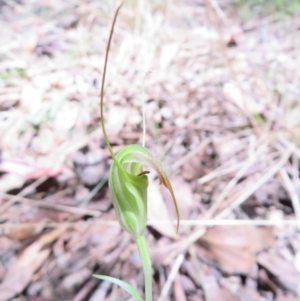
point(220, 83)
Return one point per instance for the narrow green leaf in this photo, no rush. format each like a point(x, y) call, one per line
point(126, 286)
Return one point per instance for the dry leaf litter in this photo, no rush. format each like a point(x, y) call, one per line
point(221, 91)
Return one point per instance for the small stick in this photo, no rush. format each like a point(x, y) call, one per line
point(171, 277)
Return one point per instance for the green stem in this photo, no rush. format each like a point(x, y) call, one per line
point(147, 267)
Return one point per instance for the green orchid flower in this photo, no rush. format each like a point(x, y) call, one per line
point(128, 184)
point(127, 181)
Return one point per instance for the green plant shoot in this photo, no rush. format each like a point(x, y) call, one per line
point(127, 181)
point(128, 185)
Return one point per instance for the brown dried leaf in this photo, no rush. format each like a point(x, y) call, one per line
point(75, 279)
point(20, 233)
point(284, 271)
point(7, 244)
point(232, 248)
point(20, 274)
point(193, 169)
point(22, 271)
point(215, 292)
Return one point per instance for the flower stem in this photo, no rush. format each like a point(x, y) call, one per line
point(102, 87)
point(146, 262)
